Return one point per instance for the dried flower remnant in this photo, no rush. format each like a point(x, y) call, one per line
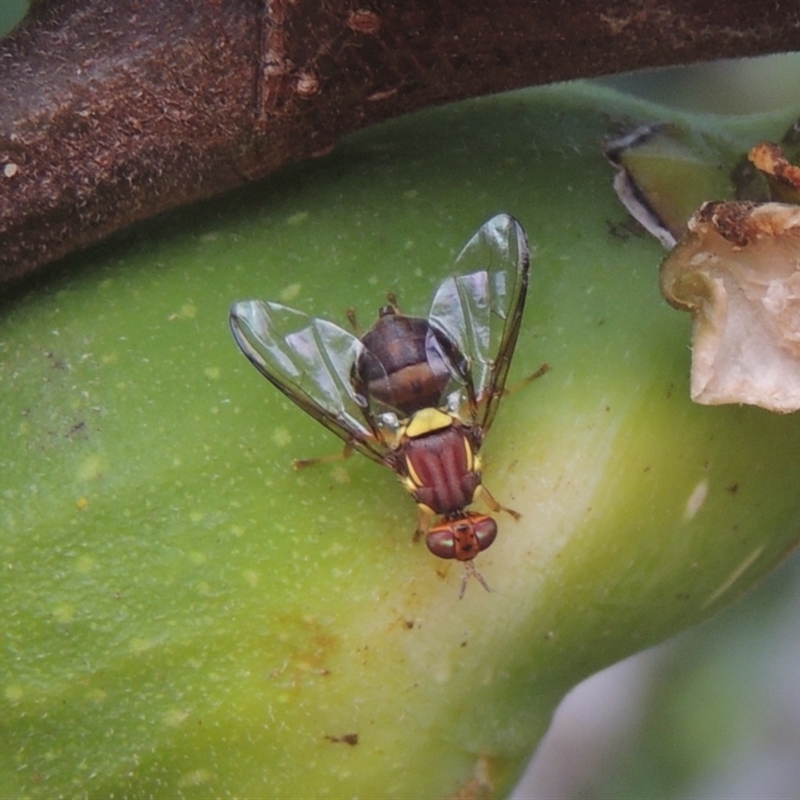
point(783, 177)
point(738, 273)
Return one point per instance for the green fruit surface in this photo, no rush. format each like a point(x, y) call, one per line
point(185, 615)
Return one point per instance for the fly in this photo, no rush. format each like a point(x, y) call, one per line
point(416, 395)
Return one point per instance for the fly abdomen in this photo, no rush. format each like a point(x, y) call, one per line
point(397, 368)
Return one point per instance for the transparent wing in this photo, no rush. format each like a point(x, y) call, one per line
point(479, 310)
point(310, 361)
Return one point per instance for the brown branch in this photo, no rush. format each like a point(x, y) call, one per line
point(114, 111)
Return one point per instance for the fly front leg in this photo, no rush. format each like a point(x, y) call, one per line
point(424, 518)
point(490, 501)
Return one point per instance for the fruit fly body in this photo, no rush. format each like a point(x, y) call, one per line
point(398, 366)
point(416, 395)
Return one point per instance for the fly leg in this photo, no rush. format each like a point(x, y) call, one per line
point(302, 463)
point(494, 396)
point(490, 501)
point(529, 379)
point(351, 318)
point(423, 523)
point(391, 297)
point(476, 407)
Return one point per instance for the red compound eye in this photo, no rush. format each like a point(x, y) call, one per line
point(441, 541)
point(485, 531)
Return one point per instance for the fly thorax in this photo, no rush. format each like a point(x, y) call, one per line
point(439, 463)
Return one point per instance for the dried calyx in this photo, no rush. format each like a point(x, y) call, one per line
point(737, 272)
point(735, 266)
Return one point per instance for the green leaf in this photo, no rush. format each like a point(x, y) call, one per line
point(185, 615)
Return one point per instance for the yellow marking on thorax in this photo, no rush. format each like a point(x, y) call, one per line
point(469, 454)
point(413, 478)
point(427, 420)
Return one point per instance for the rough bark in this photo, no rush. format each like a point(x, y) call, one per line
point(114, 110)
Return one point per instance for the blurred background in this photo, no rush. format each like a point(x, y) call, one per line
point(715, 712)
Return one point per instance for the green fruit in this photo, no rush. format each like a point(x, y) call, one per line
point(186, 615)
